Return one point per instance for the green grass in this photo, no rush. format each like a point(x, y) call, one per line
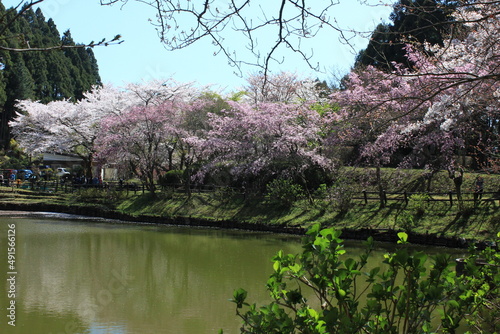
point(439, 218)
point(9, 195)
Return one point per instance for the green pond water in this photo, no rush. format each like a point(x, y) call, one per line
point(96, 277)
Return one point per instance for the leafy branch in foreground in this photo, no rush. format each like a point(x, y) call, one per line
point(324, 291)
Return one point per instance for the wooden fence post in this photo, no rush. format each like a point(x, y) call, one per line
point(451, 198)
point(365, 197)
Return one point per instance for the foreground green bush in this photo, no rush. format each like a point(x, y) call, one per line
point(405, 295)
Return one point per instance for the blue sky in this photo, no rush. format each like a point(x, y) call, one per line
point(142, 57)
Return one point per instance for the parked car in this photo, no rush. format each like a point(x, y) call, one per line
point(25, 174)
point(62, 173)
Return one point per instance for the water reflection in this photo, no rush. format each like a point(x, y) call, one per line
point(82, 277)
point(88, 277)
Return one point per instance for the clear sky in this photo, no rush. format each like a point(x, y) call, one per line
point(142, 57)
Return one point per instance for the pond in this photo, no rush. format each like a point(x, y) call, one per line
point(90, 276)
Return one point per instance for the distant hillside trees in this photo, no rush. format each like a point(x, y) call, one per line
point(65, 72)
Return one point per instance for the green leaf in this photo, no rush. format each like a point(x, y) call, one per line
point(313, 313)
point(322, 243)
point(403, 238)
point(453, 303)
point(314, 229)
point(349, 264)
point(295, 268)
point(421, 257)
point(276, 265)
point(239, 297)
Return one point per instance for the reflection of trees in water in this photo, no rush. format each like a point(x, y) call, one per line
point(176, 277)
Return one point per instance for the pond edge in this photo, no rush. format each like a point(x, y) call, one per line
point(386, 235)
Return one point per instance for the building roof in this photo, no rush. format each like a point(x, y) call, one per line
point(60, 158)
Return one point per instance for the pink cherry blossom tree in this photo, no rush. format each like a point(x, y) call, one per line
point(149, 139)
point(466, 75)
point(447, 103)
point(444, 107)
point(143, 137)
point(264, 141)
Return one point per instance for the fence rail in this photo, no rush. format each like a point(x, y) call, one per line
point(449, 196)
point(363, 196)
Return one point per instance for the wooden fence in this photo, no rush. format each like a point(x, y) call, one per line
point(364, 197)
point(450, 196)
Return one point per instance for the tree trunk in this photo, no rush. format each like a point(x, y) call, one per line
point(429, 177)
point(380, 188)
point(457, 181)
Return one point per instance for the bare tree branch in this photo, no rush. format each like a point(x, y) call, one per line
point(181, 23)
point(20, 10)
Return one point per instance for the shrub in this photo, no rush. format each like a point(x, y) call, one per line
point(417, 204)
point(405, 296)
point(171, 177)
point(284, 191)
point(340, 195)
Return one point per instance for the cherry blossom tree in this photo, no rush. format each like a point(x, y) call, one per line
point(450, 97)
point(466, 74)
point(284, 87)
point(66, 127)
point(372, 105)
point(149, 139)
point(430, 115)
point(263, 141)
point(143, 138)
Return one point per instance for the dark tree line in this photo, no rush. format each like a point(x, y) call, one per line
point(412, 22)
point(39, 63)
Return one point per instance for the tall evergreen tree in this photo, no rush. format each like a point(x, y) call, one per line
point(39, 75)
point(412, 21)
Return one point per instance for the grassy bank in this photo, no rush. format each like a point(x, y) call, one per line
point(480, 223)
point(341, 205)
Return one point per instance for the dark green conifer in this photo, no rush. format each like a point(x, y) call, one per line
point(65, 73)
point(413, 21)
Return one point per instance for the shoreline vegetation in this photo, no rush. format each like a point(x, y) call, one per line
point(427, 210)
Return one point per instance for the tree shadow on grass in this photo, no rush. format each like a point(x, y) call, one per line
point(139, 203)
point(461, 222)
point(379, 217)
point(262, 211)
